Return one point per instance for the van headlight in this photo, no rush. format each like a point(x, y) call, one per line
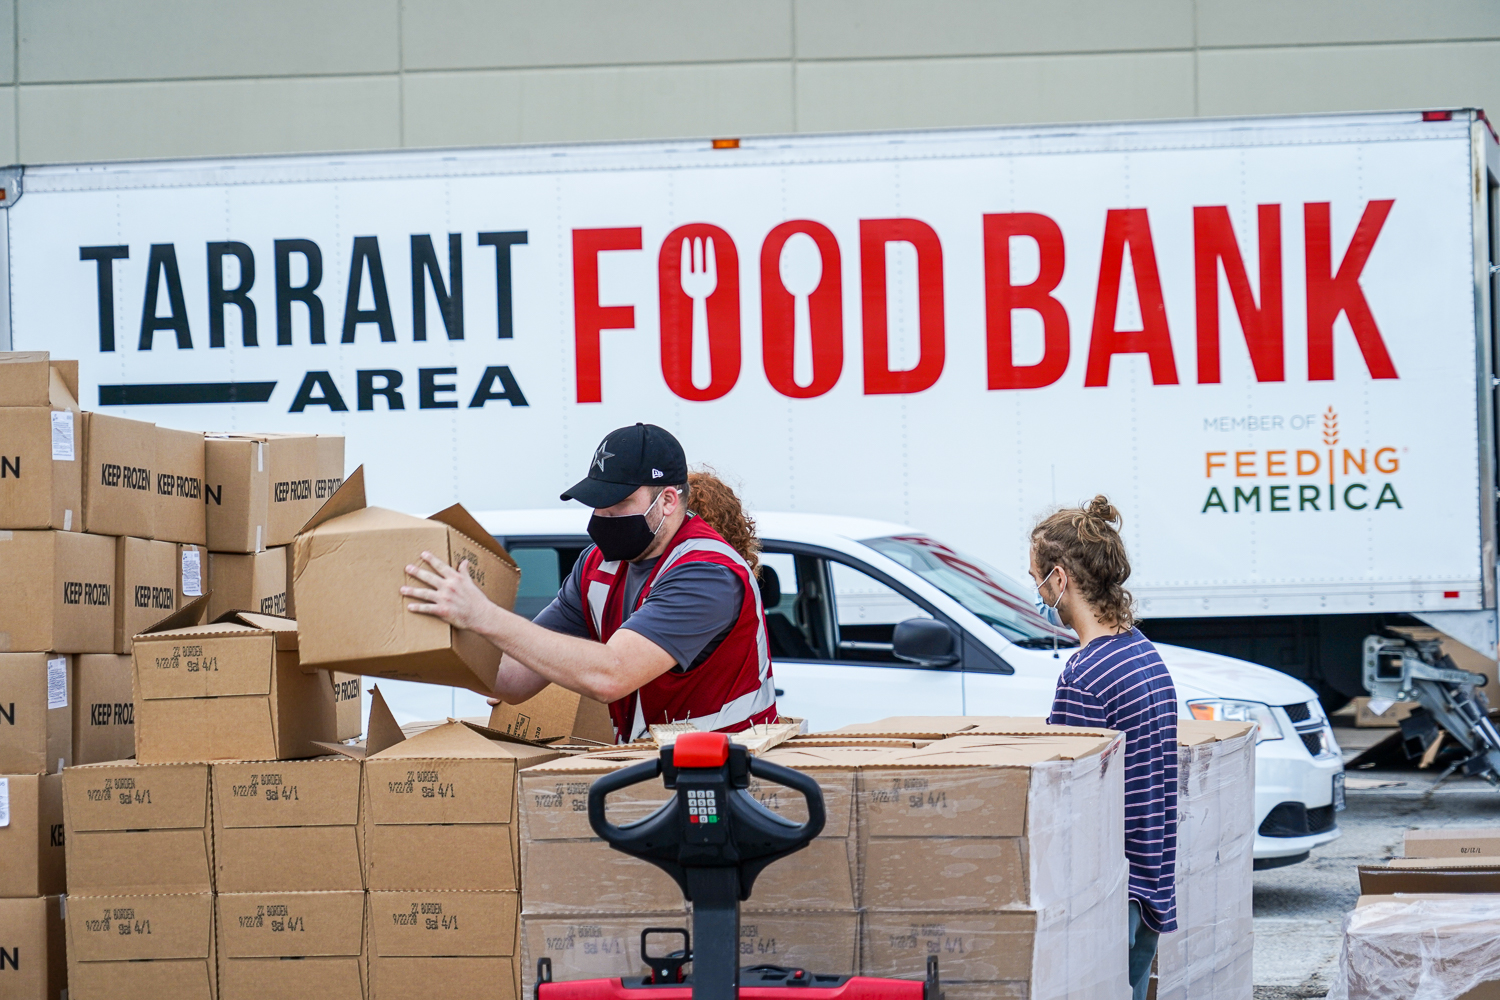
point(1224, 710)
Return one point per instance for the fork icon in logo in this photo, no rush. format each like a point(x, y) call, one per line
point(700, 276)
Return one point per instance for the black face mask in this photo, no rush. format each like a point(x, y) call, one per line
point(625, 537)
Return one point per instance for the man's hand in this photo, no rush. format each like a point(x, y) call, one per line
point(449, 595)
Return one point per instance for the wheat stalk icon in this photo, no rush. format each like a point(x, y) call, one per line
point(1330, 428)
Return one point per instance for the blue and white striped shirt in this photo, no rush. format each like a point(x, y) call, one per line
point(1119, 682)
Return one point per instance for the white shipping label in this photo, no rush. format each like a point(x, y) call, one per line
point(192, 573)
point(67, 520)
point(62, 435)
point(4, 802)
point(57, 683)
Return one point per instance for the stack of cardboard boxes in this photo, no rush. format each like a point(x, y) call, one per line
point(996, 844)
point(104, 522)
point(58, 586)
point(1426, 923)
point(248, 850)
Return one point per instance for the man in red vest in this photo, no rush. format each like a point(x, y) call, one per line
point(660, 619)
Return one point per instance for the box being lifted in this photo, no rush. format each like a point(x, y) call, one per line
point(349, 565)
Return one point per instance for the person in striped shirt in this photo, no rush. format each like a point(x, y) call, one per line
point(1117, 680)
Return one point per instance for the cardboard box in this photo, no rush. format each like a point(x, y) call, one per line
point(287, 826)
point(555, 795)
point(247, 582)
point(323, 933)
point(590, 946)
point(466, 941)
point(1364, 718)
point(1421, 945)
point(349, 566)
point(36, 722)
point(178, 480)
point(1428, 875)
point(826, 942)
point(59, 591)
point(141, 947)
point(262, 488)
point(565, 868)
point(440, 811)
point(146, 586)
point(946, 873)
point(33, 945)
point(138, 828)
point(119, 482)
point(234, 690)
point(1473, 842)
point(826, 874)
point(555, 713)
point(31, 841)
point(590, 879)
point(103, 708)
point(995, 949)
point(26, 377)
point(41, 465)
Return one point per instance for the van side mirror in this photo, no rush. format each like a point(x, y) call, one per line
point(926, 642)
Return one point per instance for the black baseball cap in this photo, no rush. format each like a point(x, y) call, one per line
point(627, 459)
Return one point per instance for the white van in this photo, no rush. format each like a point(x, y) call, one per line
point(869, 619)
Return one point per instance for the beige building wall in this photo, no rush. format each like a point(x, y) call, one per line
point(112, 79)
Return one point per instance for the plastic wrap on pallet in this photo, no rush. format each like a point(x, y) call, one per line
point(1422, 948)
point(1209, 957)
point(1075, 818)
point(1026, 901)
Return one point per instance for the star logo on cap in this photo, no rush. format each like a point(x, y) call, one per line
point(600, 455)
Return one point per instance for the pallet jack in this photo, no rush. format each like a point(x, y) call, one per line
point(714, 839)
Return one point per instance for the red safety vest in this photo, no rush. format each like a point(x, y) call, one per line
point(729, 691)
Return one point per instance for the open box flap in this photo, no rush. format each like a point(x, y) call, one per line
point(459, 519)
point(384, 732)
point(347, 499)
point(189, 615)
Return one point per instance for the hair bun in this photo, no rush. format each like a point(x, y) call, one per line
point(1101, 509)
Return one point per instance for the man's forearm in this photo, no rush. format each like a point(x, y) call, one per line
point(604, 672)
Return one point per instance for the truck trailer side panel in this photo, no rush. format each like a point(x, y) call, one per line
point(1266, 339)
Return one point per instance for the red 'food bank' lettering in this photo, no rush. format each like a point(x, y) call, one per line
point(699, 277)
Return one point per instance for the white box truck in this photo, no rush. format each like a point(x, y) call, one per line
point(1269, 340)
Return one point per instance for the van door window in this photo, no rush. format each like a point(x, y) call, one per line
point(543, 569)
point(799, 619)
point(867, 612)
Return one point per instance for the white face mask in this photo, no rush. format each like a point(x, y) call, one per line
point(1049, 611)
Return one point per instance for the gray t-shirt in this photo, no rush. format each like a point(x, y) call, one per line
point(688, 612)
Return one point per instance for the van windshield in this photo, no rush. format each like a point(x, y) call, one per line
point(994, 597)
